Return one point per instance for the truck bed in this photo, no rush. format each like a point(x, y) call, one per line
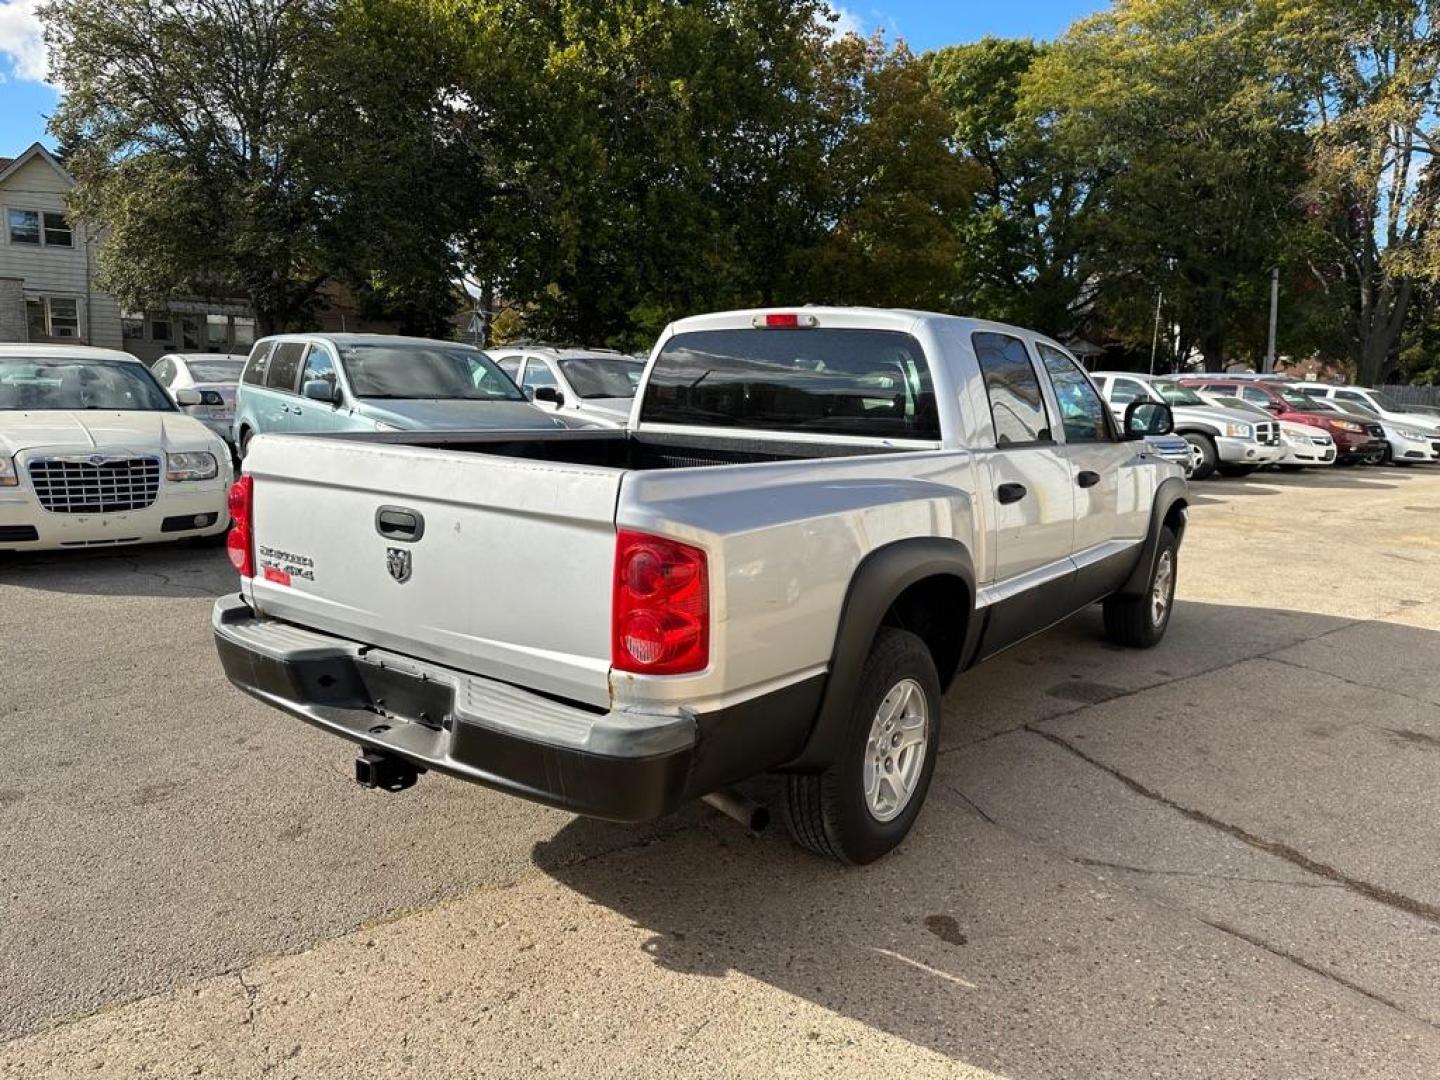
point(631, 451)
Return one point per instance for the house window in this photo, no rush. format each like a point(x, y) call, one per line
point(35, 319)
point(244, 332)
point(160, 330)
point(57, 231)
point(217, 333)
point(132, 324)
point(24, 226)
point(64, 317)
point(190, 334)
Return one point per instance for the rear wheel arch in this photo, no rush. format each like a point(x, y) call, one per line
point(910, 585)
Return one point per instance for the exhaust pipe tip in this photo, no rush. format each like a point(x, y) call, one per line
point(749, 813)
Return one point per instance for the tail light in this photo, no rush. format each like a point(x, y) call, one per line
point(661, 612)
point(240, 543)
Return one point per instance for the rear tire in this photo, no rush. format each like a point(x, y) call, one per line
point(1237, 471)
point(865, 803)
point(1140, 621)
point(1208, 457)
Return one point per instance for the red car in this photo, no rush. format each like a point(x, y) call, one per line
point(1356, 438)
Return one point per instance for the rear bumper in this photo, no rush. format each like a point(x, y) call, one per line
point(616, 765)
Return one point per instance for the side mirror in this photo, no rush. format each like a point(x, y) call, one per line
point(322, 390)
point(1275, 406)
point(1148, 418)
point(550, 394)
point(187, 397)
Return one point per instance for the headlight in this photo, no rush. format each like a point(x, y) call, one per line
point(1238, 431)
point(1414, 436)
point(380, 426)
point(8, 477)
point(192, 465)
point(1347, 425)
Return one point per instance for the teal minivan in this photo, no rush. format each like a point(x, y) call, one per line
point(372, 382)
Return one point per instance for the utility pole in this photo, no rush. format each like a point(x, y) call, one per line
point(1155, 336)
point(1274, 312)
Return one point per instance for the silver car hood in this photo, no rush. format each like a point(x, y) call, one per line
point(1215, 414)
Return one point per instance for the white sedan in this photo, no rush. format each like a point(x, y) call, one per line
point(1304, 444)
point(212, 377)
point(94, 453)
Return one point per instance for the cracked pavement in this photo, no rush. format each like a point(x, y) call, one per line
point(1213, 859)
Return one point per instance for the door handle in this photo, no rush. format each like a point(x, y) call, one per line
point(399, 523)
point(1009, 493)
point(1087, 478)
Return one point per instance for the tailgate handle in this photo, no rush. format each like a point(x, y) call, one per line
point(398, 523)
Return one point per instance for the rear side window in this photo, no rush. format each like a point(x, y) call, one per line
point(872, 383)
point(1016, 404)
point(255, 369)
point(285, 366)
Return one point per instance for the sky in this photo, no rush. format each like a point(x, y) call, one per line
point(26, 100)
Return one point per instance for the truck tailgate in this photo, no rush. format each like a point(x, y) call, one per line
point(509, 577)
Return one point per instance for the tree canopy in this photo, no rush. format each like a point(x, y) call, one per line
point(604, 167)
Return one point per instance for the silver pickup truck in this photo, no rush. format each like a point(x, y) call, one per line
point(813, 522)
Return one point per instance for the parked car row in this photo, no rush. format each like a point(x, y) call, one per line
point(1236, 424)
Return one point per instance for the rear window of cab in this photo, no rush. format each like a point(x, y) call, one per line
point(873, 383)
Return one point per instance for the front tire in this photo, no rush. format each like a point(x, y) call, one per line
point(1206, 456)
point(865, 803)
point(1140, 621)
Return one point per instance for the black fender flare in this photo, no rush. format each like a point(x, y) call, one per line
point(1172, 493)
point(878, 581)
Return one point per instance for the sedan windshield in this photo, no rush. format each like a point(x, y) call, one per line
point(1176, 394)
point(603, 376)
point(429, 372)
point(1298, 401)
point(221, 371)
point(48, 383)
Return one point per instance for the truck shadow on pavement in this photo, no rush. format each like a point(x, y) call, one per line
point(1131, 863)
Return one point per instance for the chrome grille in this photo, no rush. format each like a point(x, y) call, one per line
point(1267, 433)
point(95, 484)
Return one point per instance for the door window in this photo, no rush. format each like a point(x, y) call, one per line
point(1082, 414)
point(255, 369)
point(1255, 396)
point(285, 366)
point(318, 365)
point(1127, 390)
point(511, 366)
point(1016, 405)
point(537, 374)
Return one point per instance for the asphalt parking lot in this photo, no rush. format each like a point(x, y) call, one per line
point(1218, 858)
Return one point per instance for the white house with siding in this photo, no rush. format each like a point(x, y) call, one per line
point(47, 266)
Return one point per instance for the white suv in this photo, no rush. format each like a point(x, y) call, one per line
point(595, 386)
point(94, 453)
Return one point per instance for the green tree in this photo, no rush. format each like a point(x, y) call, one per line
point(897, 182)
point(1368, 72)
point(1171, 112)
point(1020, 260)
point(189, 126)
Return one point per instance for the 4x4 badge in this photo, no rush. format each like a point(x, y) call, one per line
point(397, 561)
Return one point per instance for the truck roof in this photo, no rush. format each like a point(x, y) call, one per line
point(364, 339)
point(904, 320)
point(64, 352)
